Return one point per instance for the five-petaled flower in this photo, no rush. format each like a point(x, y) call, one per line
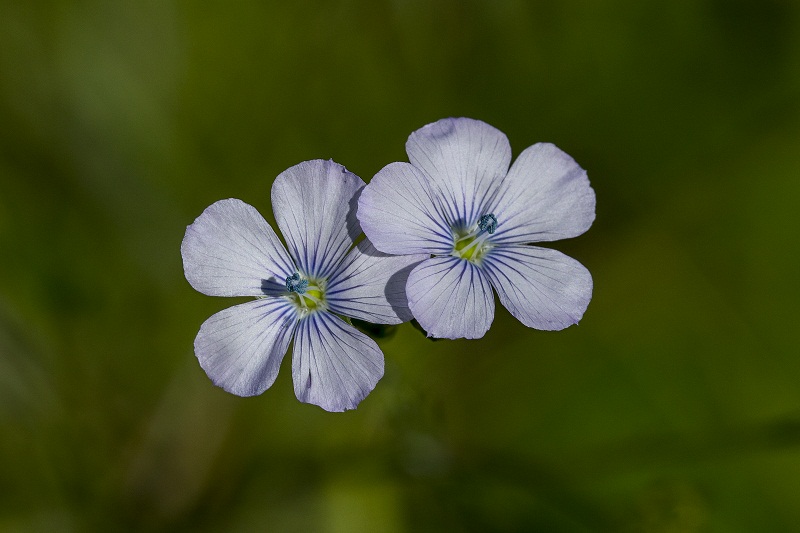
point(474, 218)
point(230, 250)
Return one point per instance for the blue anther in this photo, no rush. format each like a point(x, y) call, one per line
point(295, 284)
point(488, 223)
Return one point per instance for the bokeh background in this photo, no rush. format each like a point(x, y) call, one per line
point(673, 407)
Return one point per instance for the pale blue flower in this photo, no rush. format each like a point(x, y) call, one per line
point(230, 250)
point(459, 203)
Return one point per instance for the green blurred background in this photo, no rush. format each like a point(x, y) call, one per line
point(673, 407)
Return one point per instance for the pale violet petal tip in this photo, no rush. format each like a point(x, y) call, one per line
point(334, 365)
point(241, 348)
point(315, 204)
point(545, 197)
point(542, 288)
point(230, 250)
point(451, 298)
point(400, 212)
point(467, 159)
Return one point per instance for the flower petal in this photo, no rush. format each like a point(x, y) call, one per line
point(241, 348)
point(467, 159)
point(399, 212)
point(230, 250)
point(370, 285)
point(451, 298)
point(546, 196)
point(543, 288)
point(334, 366)
point(315, 205)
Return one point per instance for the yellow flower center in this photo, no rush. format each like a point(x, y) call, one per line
point(470, 247)
point(473, 244)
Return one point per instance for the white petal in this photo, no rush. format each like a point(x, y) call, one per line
point(315, 206)
point(370, 285)
point(467, 159)
point(334, 365)
point(230, 250)
point(543, 288)
point(451, 298)
point(545, 197)
point(241, 348)
point(399, 212)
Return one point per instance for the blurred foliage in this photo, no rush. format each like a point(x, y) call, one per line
point(673, 407)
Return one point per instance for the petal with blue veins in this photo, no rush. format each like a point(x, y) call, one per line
point(451, 298)
point(230, 250)
point(542, 288)
point(401, 212)
point(467, 159)
point(370, 285)
point(334, 365)
point(545, 197)
point(315, 204)
point(241, 347)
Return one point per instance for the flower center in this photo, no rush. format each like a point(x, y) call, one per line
point(473, 244)
point(307, 294)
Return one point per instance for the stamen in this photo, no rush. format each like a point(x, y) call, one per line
point(295, 284)
point(488, 223)
point(476, 242)
point(310, 297)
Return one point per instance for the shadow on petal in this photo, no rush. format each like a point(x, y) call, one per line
point(395, 292)
point(353, 225)
point(273, 287)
